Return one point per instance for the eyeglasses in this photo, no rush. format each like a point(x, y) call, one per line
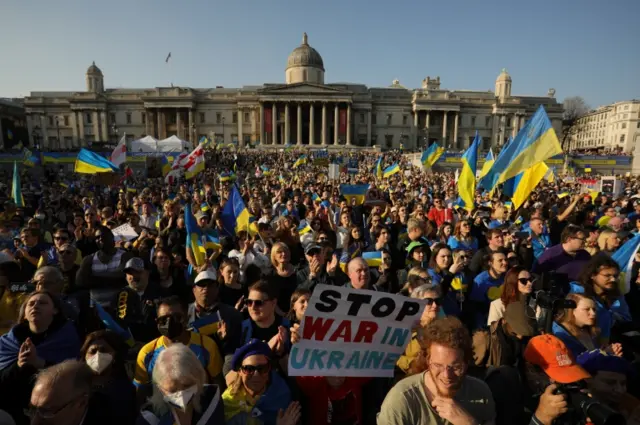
point(525, 280)
point(463, 257)
point(257, 303)
point(430, 301)
point(457, 369)
point(45, 413)
point(162, 320)
point(60, 238)
point(251, 369)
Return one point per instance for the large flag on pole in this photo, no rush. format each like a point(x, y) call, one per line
point(235, 215)
point(119, 154)
point(88, 162)
point(536, 142)
point(16, 189)
point(194, 162)
point(488, 163)
point(520, 187)
point(467, 179)
point(431, 155)
point(625, 256)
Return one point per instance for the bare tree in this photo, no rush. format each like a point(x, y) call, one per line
point(574, 108)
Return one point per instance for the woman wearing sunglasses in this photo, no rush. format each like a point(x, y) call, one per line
point(518, 285)
point(258, 394)
point(431, 294)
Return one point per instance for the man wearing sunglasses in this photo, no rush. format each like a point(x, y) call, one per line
point(61, 236)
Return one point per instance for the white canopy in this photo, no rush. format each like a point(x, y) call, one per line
point(172, 144)
point(146, 144)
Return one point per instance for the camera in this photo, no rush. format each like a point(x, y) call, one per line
point(581, 406)
point(551, 298)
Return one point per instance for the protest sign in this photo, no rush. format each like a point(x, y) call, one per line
point(124, 233)
point(353, 332)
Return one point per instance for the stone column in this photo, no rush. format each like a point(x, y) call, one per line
point(426, 127)
point(503, 129)
point(287, 129)
point(369, 128)
point(324, 124)
point(336, 121)
point(159, 119)
point(262, 138)
point(299, 127)
point(193, 136)
point(105, 127)
point(96, 127)
point(80, 122)
point(494, 130)
point(44, 121)
point(311, 125)
point(240, 134)
point(179, 124)
point(515, 125)
point(455, 130)
point(274, 124)
point(254, 123)
point(348, 124)
point(444, 129)
point(74, 128)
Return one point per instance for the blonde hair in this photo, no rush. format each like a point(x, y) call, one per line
point(602, 239)
point(566, 318)
point(274, 250)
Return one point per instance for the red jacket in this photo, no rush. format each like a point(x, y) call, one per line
point(320, 396)
point(440, 216)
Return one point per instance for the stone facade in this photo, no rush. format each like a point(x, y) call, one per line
point(305, 110)
point(612, 127)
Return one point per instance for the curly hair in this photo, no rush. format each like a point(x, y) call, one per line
point(447, 331)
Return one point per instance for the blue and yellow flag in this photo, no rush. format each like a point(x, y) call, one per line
point(488, 163)
point(204, 141)
point(625, 257)
point(520, 187)
point(265, 170)
point(391, 170)
point(288, 147)
point(467, 179)
point(373, 259)
point(165, 164)
point(207, 324)
point(357, 191)
point(112, 325)
point(212, 239)
point(236, 217)
point(304, 228)
point(535, 143)
point(227, 177)
point(300, 161)
point(16, 189)
point(378, 169)
point(88, 162)
point(431, 155)
point(281, 179)
point(194, 236)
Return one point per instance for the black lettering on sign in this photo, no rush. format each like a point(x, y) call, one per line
point(383, 307)
point(409, 308)
point(356, 302)
point(328, 302)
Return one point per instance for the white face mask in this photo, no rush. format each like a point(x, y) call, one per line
point(181, 399)
point(100, 361)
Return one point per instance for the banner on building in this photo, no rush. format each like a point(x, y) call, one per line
point(321, 158)
point(353, 332)
point(267, 120)
point(343, 121)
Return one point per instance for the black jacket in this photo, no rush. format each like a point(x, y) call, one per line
point(305, 282)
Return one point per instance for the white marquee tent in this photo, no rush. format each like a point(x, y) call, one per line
point(150, 145)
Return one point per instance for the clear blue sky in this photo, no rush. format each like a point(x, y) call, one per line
point(591, 50)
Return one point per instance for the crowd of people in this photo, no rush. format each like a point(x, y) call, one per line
point(101, 329)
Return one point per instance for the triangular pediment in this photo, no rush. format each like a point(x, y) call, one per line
point(302, 88)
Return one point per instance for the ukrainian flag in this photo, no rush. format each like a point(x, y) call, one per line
point(431, 155)
point(563, 195)
point(288, 147)
point(207, 325)
point(316, 198)
point(236, 217)
point(204, 207)
point(112, 325)
point(467, 179)
point(373, 259)
point(625, 256)
point(89, 162)
point(265, 170)
point(357, 191)
point(212, 240)
point(194, 237)
point(536, 142)
point(391, 170)
point(594, 195)
point(587, 169)
point(304, 228)
point(488, 162)
point(166, 165)
point(227, 177)
point(281, 179)
point(204, 141)
point(378, 170)
point(520, 187)
point(300, 161)
point(16, 189)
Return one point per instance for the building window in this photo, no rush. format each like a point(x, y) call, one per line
point(246, 117)
point(89, 119)
point(144, 118)
point(66, 120)
point(234, 117)
point(389, 116)
point(508, 122)
point(51, 121)
point(373, 118)
point(473, 120)
point(128, 117)
point(638, 124)
point(404, 120)
point(389, 140)
point(201, 118)
point(112, 118)
point(624, 125)
point(361, 118)
point(487, 122)
point(622, 136)
point(218, 118)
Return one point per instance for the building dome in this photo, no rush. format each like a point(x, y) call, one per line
point(305, 55)
point(93, 69)
point(504, 75)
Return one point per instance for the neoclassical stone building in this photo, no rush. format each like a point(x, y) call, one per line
point(304, 110)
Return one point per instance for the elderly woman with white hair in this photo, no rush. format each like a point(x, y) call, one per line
point(180, 394)
point(431, 294)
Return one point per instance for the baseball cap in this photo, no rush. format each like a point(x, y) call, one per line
point(312, 247)
point(209, 274)
point(135, 264)
point(552, 355)
point(413, 245)
point(200, 215)
point(516, 317)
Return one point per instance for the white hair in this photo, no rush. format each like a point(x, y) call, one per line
point(176, 363)
point(51, 274)
point(422, 289)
